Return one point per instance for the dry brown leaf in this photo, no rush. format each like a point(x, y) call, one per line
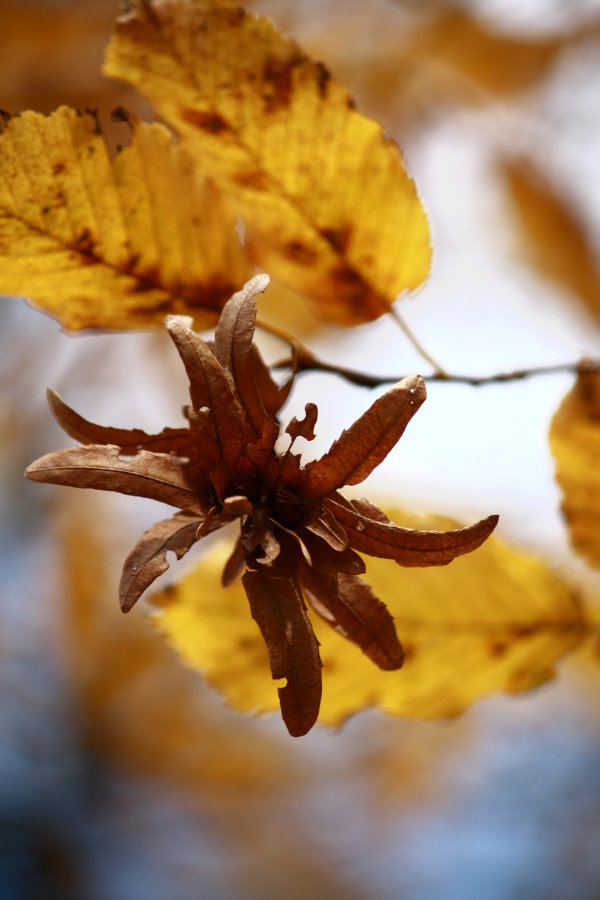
point(553, 238)
point(575, 444)
point(328, 206)
point(296, 530)
point(111, 244)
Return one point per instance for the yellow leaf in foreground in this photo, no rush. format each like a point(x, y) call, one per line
point(328, 205)
point(554, 239)
point(575, 443)
point(490, 621)
point(111, 244)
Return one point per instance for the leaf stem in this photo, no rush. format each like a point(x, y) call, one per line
point(416, 342)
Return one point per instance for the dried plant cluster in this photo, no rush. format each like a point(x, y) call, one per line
point(299, 536)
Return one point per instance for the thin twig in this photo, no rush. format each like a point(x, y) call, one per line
point(305, 361)
point(313, 364)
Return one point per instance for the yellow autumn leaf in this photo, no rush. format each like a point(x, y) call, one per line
point(111, 244)
point(575, 443)
point(328, 206)
point(554, 239)
point(461, 43)
point(491, 621)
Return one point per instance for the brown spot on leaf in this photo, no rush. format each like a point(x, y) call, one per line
point(323, 78)
point(235, 16)
point(210, 295)
point(588, 385)
point(339, 238)
point(85, 245)
point(146, 280)
point(525, 631)
point(277, 78)
point(360, 302)
point(254, 179)
point(93, 113)
point(300, 253)
point(58, 167)
point(498, 648)
point(206, 120)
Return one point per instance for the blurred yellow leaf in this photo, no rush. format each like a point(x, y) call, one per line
point(328, 206)
point(135, 710)
point(575, 443)
point(498, 62)
point(408, 62)
point(136, 707)
point(492, 621)
point(553, 239)
point(44, 44)
point(111, 244)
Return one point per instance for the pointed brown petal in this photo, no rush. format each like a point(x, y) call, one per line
point(270, 545)
point(367, 442)
point(278, 609)
point(148, 559)
point(238, 315)
point(152, 475)
point(234, 565)
point(261, 450)
point(237, 506)
point(407, 546)
point(326, 559)
point(304, 427)
point(328, 528)
point(365, 508)
point(349, 605)
point(233, 347)
point(204, 526)
point(176, 440)
point(210, 387)
point(272, 395)
point(193, 352)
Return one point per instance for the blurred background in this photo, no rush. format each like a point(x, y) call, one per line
point(121, 774)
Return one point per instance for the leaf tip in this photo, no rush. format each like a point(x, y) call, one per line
point(491, 522)
point(34, 471)
point(175, 323)
point(257, 285)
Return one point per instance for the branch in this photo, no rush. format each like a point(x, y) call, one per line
point(306, 361)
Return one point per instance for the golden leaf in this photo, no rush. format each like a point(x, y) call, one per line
point(408, 66)
point(459, 43)
point(136, 708)
point(44, 45)
point(328, 205)
point(493, 621)
point(554, 238)
point(111, 244)
point(575, 443)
